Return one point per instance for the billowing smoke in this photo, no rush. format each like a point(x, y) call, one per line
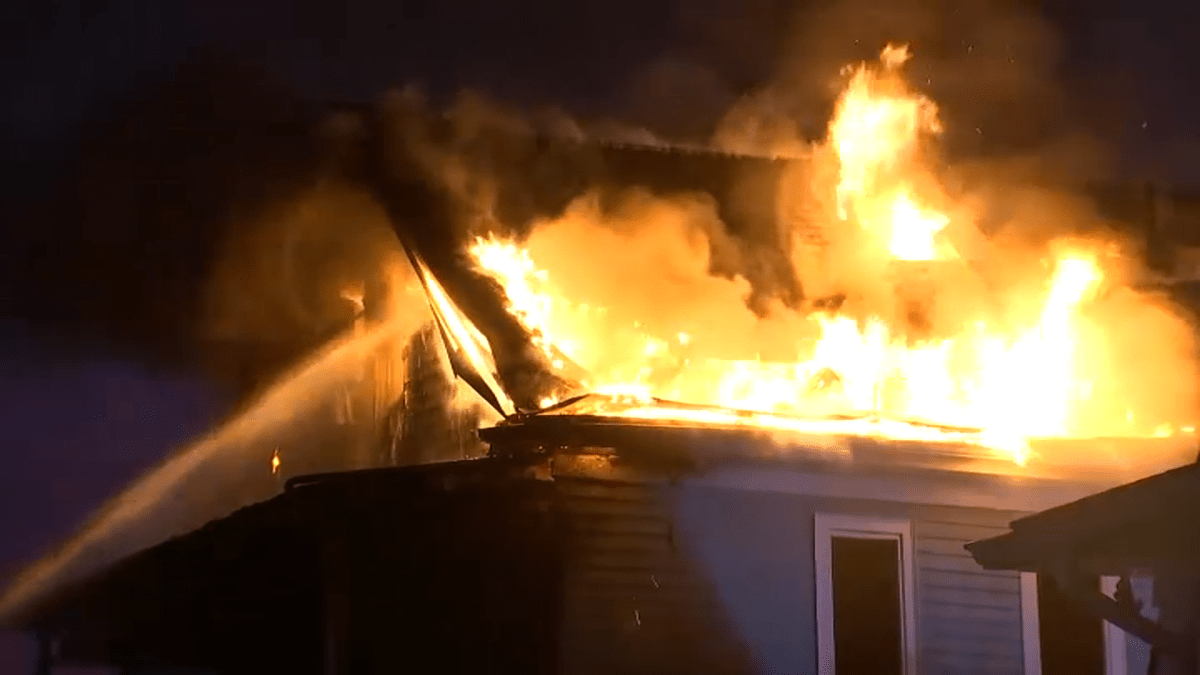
point(728, 275)
point(765, 231)
point(163, 236)
point(991, 66)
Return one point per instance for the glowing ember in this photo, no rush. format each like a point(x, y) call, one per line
point(1034, 369)
point(275, 461)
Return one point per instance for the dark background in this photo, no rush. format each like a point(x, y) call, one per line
point(208, 98)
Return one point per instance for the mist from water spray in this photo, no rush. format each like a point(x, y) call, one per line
point(163, 503)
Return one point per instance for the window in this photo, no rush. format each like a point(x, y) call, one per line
point(1061, 636)
point(864, 592)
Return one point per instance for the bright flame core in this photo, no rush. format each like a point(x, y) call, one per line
point(1030, 373)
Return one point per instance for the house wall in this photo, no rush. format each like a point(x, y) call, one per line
point(756, 548)
point(634, 598)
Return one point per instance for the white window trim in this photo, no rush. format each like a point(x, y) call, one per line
point(1116, 658)
point(1031, 627)
point(826, 526)
point(1116, 641)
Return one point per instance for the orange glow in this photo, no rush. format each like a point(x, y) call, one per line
point(876, 132)
point(672, 331)
point(462, 337)
point(275, 461)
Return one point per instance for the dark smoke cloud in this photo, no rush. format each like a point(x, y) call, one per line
point(678, 97)
point(994, 67)
point(215, 185)
point(119, 251)
point(513, 170)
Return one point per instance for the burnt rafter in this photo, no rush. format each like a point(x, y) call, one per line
point(438, 176)
point(429, 220)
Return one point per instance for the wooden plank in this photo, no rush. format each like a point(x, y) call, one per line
point(954, 562)
point(646, 521)
point(941, 546)
point(958, 611)
point(968, 664)
point(1002, 648)
point(964, 532)
point(652, 562)
point(622, 542)
point(964, 515)
point(953, 664)
point(630, 586)
point(983, 581)
point(577, 490)
point(650, 578)
point(961, 596)
point(613, 508)
point(1008, 628)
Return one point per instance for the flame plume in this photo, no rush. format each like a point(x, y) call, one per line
point(632, 304)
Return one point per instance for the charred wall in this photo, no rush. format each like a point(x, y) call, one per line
point(424, 425)
point(448, 568)
point(242, 595)
point(461, 567)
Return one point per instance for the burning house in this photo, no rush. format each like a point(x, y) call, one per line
point(760, 453)
point(584, 544)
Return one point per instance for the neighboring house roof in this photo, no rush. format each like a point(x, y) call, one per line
point(251, 576)
point(1132, 526)
point(305, 420)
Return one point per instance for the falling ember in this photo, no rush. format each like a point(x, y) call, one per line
point(1004, 377)
point(275, 461)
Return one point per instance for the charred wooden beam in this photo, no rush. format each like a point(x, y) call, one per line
point(430, 219)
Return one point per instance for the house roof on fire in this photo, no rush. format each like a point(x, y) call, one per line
point(719, 435)
point(1134, 526)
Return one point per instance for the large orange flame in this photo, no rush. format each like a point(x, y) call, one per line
point(1021, 377)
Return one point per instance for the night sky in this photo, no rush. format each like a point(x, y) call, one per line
point(80, 423)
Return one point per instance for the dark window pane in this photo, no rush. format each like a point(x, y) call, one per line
point(1072, 637)
point(867, 626)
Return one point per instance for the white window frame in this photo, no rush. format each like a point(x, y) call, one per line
point(827, 526)
point(1116, 642)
